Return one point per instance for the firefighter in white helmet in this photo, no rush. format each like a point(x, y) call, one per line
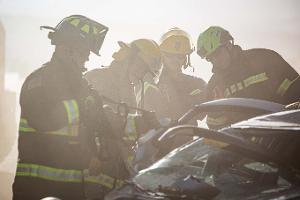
point(176, 92)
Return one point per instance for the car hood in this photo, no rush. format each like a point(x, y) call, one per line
point(285, 120)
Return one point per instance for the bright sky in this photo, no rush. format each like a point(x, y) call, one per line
point(253, 23)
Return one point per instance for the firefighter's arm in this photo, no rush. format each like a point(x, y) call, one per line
point(41, 106)
point(287, 79)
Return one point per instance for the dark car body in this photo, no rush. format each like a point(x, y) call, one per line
point(254, 159)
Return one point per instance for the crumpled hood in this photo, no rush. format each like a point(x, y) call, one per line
point(285, 120)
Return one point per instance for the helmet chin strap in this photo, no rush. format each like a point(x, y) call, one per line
point(188, 63)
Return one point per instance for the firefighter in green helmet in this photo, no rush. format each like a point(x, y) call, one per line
point(56, 127)
point(253, 73)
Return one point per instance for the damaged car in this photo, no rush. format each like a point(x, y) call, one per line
point(254, 159)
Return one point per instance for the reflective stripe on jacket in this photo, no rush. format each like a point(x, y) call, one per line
point(48, 173)
point(72, 129)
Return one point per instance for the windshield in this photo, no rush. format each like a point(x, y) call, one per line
point(203, 159)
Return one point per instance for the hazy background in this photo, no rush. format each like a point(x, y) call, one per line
point(254, 23)
point(270, 24)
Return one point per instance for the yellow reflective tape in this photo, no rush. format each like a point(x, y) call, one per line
point(239, 86)
point(74, 115)
point(85, 28)
point(72, 129)
point(195, 92)
point(24, 126)
point(66, 104)
point(95, 30)
point(48, 173)
point(103, 179)
point(22, 129)
point(61, 132)
point(284, 86)
point(227, 93)
point(76, 110)
point(130, 129)
point(255, 79)
point(215, 143)
point(232, 89)
point(75, 22)
point(71, 107)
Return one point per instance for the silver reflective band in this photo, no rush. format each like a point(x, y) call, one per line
point(49, 173)
point(251, 80)
point(72, 129)
point(284, 86)
point(72, 110)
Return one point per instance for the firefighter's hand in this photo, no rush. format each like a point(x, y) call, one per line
point(94, 166)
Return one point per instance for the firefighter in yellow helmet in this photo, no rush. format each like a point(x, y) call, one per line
point(132, 64)
point(176, 92)
point(135, 62)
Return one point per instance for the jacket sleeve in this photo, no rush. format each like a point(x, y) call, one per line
point(285, 79)
point(40, 104)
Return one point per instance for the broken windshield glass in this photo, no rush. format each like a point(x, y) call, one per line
point(233, 174)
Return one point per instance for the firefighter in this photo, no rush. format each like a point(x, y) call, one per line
point(254, 73)
point(133, 63)
point(55, 100)
point(176, 92)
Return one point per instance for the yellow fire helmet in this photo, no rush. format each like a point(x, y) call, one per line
point(176, 41)
point(147, 49)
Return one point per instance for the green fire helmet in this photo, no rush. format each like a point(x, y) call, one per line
point(211, 39)
point(79, 32)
